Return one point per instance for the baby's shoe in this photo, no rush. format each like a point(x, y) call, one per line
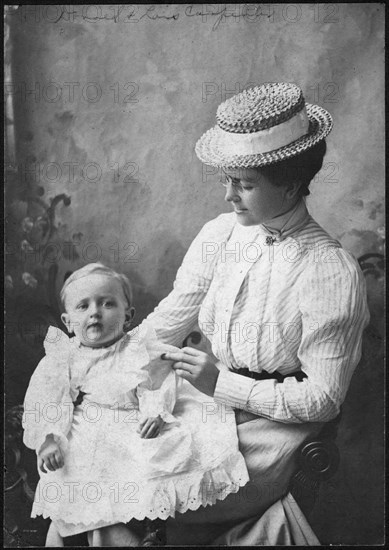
point(155, 533)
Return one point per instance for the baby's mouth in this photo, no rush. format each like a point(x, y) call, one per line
point(95, 325)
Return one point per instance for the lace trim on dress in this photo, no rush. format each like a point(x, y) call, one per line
point(160, 498)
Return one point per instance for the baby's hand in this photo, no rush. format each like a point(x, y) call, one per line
point(50, 455)
point(150, 427)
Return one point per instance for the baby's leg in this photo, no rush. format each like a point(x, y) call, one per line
point(53, 538)
point(113, 535)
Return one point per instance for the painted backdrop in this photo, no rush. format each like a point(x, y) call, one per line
point(108, 104)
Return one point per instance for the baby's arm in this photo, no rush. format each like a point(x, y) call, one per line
point(157, 397)
point(48, 405)
point(157, 391)
point(48, 413)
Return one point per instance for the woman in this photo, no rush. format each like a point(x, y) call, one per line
point(281, 302)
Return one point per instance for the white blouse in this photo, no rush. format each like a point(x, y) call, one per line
point(296, 302)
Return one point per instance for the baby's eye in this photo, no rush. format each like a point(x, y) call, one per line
point(82, 306)
point(109, 303)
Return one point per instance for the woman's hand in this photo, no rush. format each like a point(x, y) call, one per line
point(195, 366)
point(150, 427)
point(50, 455)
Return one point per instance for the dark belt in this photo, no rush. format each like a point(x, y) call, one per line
point(299, 375)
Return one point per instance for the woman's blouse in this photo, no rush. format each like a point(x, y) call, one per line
point(272, 300)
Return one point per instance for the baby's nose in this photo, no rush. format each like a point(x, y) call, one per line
point(94, 310)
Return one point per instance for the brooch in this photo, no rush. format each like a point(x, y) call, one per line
point(270, 240)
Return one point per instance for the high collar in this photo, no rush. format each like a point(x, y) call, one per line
point(279, 227)
point(291, 221)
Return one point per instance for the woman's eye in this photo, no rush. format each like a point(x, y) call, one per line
point(248, 187)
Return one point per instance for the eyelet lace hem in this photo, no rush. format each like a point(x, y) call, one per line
point(77, 511)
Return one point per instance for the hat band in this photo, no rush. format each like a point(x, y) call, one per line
point(266, 140)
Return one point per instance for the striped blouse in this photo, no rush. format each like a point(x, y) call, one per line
point(272, 300)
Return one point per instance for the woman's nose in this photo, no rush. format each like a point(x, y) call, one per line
point(231, 194)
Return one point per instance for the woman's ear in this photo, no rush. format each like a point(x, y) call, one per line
point(293, 190)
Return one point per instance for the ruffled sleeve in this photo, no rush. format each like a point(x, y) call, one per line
point(157, 394)
point(48, 404)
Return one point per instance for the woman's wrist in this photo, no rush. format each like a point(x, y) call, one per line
point(233, 389)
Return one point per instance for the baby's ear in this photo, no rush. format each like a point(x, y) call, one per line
point(130, 312)
point(66, 321)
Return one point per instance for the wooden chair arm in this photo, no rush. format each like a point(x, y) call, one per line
point(318, 460)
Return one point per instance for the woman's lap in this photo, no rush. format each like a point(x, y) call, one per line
point(269, 449)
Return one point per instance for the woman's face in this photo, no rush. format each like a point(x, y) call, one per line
point(254, 198)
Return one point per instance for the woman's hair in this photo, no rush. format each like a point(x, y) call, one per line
point(98, 269)
point(302, 168)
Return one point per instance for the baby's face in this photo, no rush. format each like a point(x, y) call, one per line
point(95, 310)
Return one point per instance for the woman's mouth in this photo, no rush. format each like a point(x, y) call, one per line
point(240, 210)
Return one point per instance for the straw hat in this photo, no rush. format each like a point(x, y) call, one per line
point(262, 126)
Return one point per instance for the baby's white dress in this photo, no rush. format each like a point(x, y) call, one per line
point(112, 475)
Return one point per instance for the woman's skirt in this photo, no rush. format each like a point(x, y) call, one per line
point(270, 451)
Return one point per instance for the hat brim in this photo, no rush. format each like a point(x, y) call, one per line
point(209, 147)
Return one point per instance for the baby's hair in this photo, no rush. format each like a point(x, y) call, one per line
point(98, 269)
